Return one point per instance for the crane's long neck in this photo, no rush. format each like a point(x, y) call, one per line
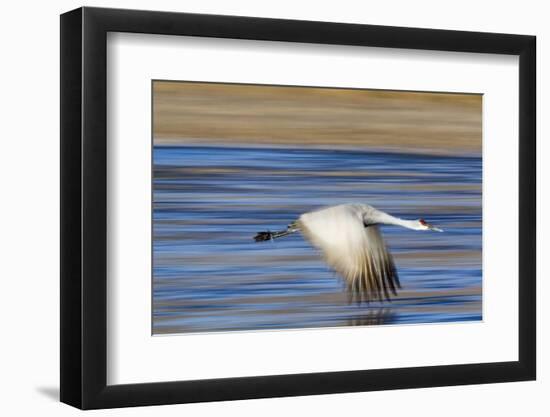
point(384, 218)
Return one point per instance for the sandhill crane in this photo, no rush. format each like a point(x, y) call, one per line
point(351, 243)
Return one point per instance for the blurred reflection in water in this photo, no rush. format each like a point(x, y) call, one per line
point(209, 274)
point(372, 317)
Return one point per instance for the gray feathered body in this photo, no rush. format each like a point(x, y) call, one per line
point(351, 243)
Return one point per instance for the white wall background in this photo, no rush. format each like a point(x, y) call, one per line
point(29, 231)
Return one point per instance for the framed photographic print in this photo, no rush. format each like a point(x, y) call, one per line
point(258, 207)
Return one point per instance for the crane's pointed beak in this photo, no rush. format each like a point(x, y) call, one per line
point(435, 229)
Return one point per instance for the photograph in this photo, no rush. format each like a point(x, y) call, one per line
point(297, 207)
point(256, 206)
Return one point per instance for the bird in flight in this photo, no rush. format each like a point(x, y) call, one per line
point(351, 243)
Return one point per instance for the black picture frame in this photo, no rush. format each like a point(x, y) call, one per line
point(84, 207)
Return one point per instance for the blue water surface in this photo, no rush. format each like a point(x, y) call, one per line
point(209, 202)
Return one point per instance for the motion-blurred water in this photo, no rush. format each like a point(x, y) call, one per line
point(210, 275)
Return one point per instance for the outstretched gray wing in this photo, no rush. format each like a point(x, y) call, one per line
point(355, 252)
point(374, 276)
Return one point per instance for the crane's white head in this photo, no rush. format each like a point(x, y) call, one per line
point(424, 225)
